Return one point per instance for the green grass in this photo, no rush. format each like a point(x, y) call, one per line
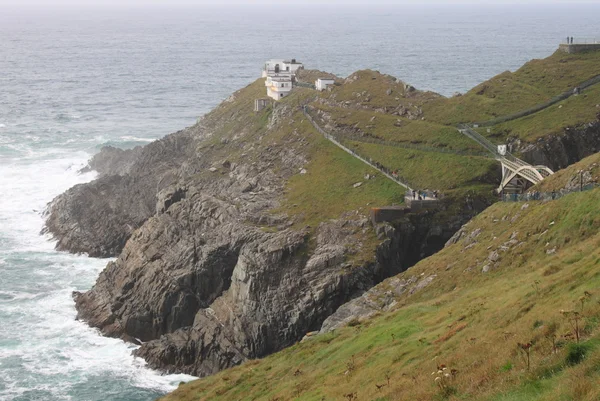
point(373, 90)
point(464, 319)
point(507, 93)
point(572, 112)
point(331, 174)
point(400, 130)
point(432, 170)
point(561, 178)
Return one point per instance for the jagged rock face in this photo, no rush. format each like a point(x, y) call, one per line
point(113, 161)
point(560, 151)
point(208, 275)
point(220, 291)
point(278, 293)
point(98, 218)
point(205, 288)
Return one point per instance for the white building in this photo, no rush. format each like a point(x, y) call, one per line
point(322, 83)
point(280, 66)
point(278, 86)
point(280, 77)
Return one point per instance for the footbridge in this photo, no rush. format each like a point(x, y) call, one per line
point(517, 175)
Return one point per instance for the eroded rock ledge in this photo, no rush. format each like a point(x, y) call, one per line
point(208, 274)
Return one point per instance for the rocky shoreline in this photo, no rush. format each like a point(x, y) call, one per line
point(209, 272)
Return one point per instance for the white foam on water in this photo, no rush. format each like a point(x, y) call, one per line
point(137, 139)
point(42, 347)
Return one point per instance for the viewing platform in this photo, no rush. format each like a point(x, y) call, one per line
point(411, 205)
point(421, 200)
point(578, 45)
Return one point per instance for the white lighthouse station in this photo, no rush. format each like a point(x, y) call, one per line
point(280, 75)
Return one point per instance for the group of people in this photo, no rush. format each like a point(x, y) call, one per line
point(569, 40)
point(421, 195)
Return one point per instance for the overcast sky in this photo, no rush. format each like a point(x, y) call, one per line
point(170, 3)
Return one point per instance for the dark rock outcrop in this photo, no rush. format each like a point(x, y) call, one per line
point(97, 218)
point(209, 274)
point(562, 150)
point(113, 161)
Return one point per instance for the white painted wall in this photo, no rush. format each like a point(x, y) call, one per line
point(321, 84)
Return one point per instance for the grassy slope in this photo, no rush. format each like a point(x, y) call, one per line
point(561, 178)
point(507, 93)
point(429, 155)
point(571, 112)
point(312, 197)
point(465, 319)
point(432, 170)
point(362, 106)
point(402, 130)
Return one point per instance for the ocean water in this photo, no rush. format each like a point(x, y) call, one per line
point(73, 80)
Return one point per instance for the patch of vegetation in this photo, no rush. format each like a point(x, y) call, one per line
point(576, 352)
point(399, 130)
point(373, 90)
point(572, 112)
point(561, 178)
point(432, 170)
point(491, 317)
point(330, 177)
point(507, 93)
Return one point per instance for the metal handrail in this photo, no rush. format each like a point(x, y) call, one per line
point(583, 41)
point(377, 166)
point(539, 107)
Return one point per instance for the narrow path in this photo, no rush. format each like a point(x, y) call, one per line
point(539, 107)
point(332, 139)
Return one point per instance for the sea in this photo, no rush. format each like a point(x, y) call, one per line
point(74, 79)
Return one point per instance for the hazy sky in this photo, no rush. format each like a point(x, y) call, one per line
point(169, 3)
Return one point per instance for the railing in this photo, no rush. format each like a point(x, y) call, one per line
point(583, 41)
point(392, 175)
point(422, 195)
point(545, 196)
point(477, 137)
point(541, 106)
point(509, 161)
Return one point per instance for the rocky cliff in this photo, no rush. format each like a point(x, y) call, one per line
point(561, 150)
point(97, 218)
point(214, 265)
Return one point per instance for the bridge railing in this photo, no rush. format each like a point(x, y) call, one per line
point(305, 84)
point(476, 136)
